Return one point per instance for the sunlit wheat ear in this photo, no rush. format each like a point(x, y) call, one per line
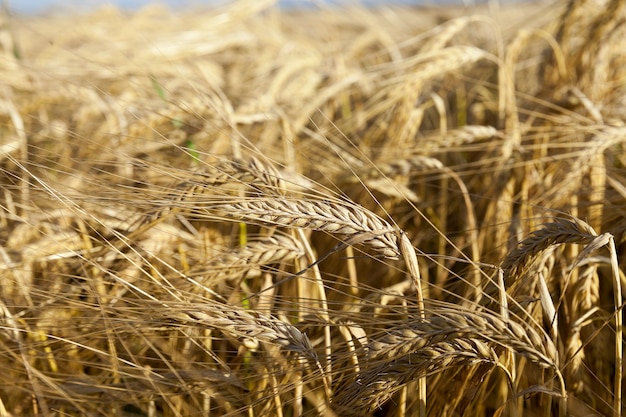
point(268, 250)
point(379, 380)
point(574, 230)
point(447, 337)
point(389, 177)
point(247, 326)
point(252, 175)
point(352, 223)
point(243, 260)
point(559, 231)
point(405, 166)
point(252, 329)
point(461, 136)
point(491, 328)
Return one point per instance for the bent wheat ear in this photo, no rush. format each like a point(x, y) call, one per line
point(351, 222)
point(246, 261)
point(272, 249)
point(429, 345)
point(554, 233)
point(247, 326)
point(449, 324)
point(386, 376)
point(254, 173)
point(406, 166)
point(277, 248)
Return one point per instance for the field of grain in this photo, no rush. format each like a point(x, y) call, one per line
point(252, 211)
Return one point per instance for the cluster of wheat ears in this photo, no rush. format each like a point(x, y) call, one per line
point(249, 211)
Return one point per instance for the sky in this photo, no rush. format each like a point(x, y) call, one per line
point(42, 6)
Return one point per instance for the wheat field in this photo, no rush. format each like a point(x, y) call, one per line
point(257, 211)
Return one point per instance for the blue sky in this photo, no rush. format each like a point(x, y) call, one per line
point(41, 6)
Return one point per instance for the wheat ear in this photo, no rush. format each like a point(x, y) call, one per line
point(242, 260)
point(558, 231)
point(248, 327)
point(427, 345)
point(351, 222)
